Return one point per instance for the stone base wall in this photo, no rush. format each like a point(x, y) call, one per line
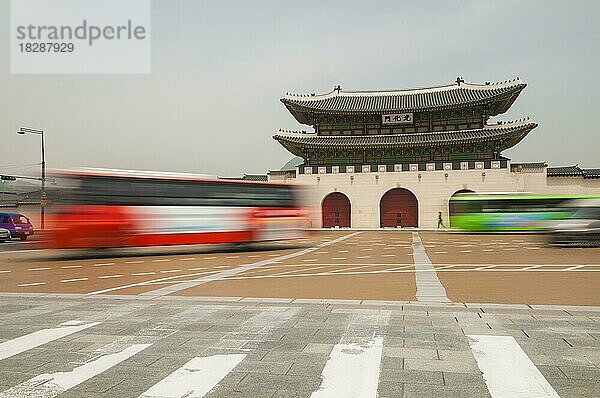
point(432, 188)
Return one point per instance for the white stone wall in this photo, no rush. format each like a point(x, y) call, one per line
point(432, 189)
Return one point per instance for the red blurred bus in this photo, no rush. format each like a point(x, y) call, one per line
point(111, 208)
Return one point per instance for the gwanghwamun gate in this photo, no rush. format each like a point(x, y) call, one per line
point(394, 158)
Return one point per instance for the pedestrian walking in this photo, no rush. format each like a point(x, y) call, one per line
point(440, 221)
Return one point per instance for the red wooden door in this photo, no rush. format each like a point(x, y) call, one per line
point(336, 210)
point(398, 208)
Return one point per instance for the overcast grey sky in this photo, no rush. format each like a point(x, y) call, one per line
point(219, 68)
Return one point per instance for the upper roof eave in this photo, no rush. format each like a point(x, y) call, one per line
point(421, 99)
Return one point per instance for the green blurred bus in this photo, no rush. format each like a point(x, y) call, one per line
point(509, 211)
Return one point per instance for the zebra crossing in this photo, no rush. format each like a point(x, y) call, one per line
point(354, 342)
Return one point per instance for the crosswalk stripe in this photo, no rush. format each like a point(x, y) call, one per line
point(36, 339)
point(53, 384)
point(507, 370)
point(352, 371)
point(186, 381)
point(354, 364)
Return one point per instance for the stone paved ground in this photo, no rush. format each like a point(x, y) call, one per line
point(425, 350)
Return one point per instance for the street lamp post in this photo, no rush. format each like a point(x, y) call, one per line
point(43, 198)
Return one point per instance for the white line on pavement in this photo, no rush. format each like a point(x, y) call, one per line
point(168, 271)
point(185, 381)
point(354, 363)
point(507, 370)
point(429, 287)
point(531, 267)
point(4, 271)
point(110, 276)
point(220, 274)
point(74, 280)
point(573, 267)
point(134, 262)
point(53, 384)
point(31, 284)
point(103, 264)
point(36, 339)
point(72, 266)
point(38, 269)
point(143, 273)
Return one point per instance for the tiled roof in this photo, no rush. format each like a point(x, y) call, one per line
point(528, 165)
point(566, 171)
point(423, 99)
point(508, 134)
point(573, 171)
point(247, 177)
point(591, 173)
point(254, 177)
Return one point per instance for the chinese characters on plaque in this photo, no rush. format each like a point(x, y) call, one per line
point(397, 118)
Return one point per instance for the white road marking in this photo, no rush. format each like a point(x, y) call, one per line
point(388, 255)
point(222, 266)
point(110, 276)
point(143, 273)
point(161, 260)
point(74, 280)
point(298, 270)
point(31, 284)
point(217, 274)
point(37, 269)
point(188, 259)
point(363, 257)
point(487, 267)
point(466, 251)
point(429, 287)
point(441, 252)
point(196, 269)
point(168, 271)
point(4, 271)
point(311, 259)
point(507, 370)
point(36, 339)
point(134, 262)
point(232, 257)
point(103, 264)
point(202, 373)
point(448, 266)
point(339, 258)
point(510, 249)
point(52, 384)
point(574, 267)
point(72, 266)
point(185, 381)
point(253, 256)
point(531, 267)
point(346, 269)
point(342, 251)
point(209, 258)
point(354, 363)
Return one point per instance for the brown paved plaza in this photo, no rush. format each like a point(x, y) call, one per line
point(363, 265)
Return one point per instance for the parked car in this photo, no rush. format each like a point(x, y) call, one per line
point(18, 225)
point(4, 234)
